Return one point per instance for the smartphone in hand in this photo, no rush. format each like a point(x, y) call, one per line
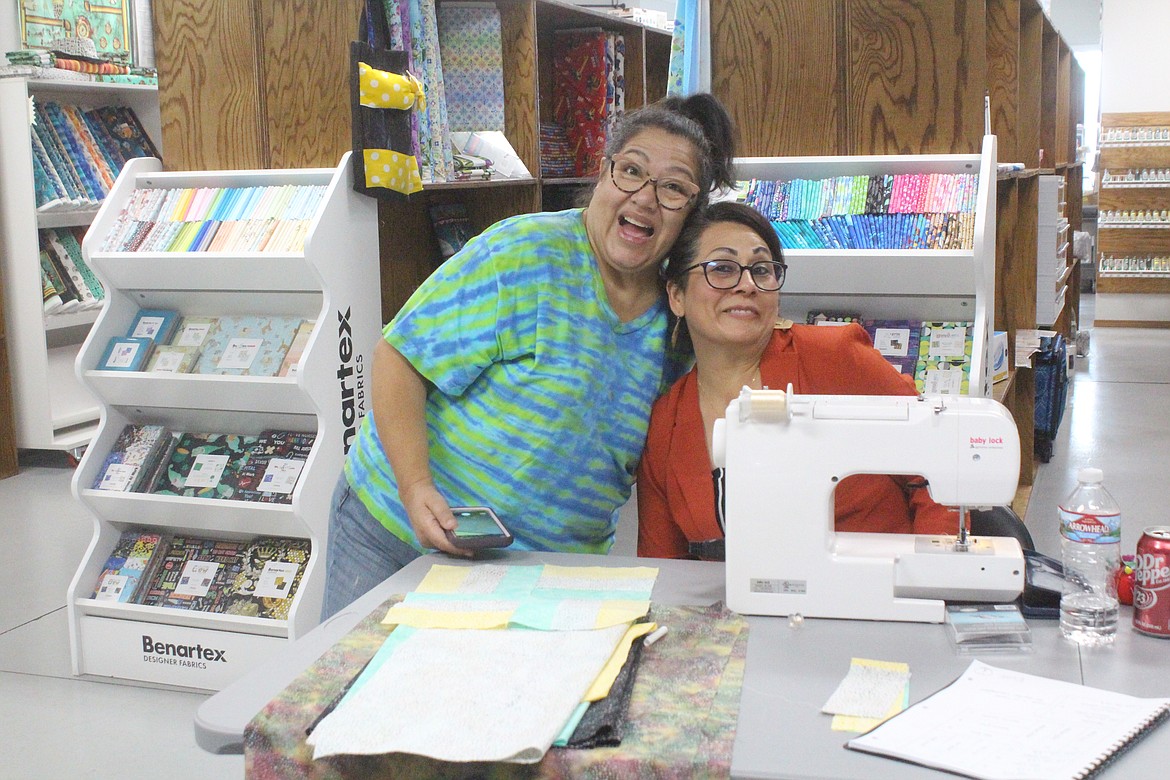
point(478, 528)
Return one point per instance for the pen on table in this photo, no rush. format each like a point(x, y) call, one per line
point(655, 635)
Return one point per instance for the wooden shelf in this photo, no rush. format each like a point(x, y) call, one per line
point(1133, 285)
point(1133, 239)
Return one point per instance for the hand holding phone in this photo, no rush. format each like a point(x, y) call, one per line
point(478, 528)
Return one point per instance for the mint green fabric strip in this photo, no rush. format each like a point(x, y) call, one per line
point(537, 614)
point(571, 726)
point(392, 643)
point(520, 581)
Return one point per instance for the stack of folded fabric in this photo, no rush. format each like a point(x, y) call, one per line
point(556, 158)
point(76, 59)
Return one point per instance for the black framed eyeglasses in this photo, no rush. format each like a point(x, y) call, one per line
point(673, 194)
point(767, 275)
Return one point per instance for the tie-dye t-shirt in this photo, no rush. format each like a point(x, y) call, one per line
point(541, 394)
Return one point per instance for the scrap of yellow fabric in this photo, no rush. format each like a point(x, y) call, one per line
point(600, 688)
point(861, 725)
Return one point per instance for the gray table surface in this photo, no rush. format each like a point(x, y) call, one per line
point(790, 673)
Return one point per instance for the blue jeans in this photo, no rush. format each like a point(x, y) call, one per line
point(361, 551)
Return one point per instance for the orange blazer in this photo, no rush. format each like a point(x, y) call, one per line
point(676, 495)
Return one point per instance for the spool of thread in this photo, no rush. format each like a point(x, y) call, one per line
point(763, 405)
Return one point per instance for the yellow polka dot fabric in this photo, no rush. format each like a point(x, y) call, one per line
point(382, 89)
point(392, 170)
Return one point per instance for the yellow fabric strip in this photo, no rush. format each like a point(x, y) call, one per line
point(600, 688)
point(382, 89)
point(392, 170)
point(601, 572)
point(443, 579)
point(614, 612)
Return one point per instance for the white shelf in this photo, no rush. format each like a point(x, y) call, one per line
point(71, 319)
point(927, 272)
point(274, 394)
point(312, 285)
point(51, 408)
point(66, 217)
point(213, 271)
point(202, 516)
point(929, 284)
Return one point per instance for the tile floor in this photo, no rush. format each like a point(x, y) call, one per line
point(56, 726)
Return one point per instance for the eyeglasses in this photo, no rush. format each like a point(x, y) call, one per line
point(767, 275)
point(629, 177)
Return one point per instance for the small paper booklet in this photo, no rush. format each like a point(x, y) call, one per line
point(988, 628)
point(995, 724)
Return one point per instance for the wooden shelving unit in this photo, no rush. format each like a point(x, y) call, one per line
point(1133, 264)
point(215, 123)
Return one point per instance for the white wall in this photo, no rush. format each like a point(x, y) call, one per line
point(1078, 21)
point(1135, 59)
point(1135, 56)
point(9, 28)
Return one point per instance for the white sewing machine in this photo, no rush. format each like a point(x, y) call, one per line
point(784, 455)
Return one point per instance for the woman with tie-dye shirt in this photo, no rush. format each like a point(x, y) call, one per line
point(521, 374)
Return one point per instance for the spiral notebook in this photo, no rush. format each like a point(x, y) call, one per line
point(993, 723)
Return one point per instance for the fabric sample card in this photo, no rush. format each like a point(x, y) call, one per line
point(944, 358)
point(126, 565)
point(897, 341)
point(158, 325)
point(194, 573)
point(126, 353)
point(248, 345)
point(273, 466)
point(205, 465)
point(170, 359)
point(291, 364)
point(268, 580)
point(136, 452)
point(193, 331)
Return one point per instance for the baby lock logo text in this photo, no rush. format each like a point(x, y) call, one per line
point(985, 441)
point(195, 656)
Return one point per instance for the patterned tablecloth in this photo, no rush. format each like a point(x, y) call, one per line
point(682, 715)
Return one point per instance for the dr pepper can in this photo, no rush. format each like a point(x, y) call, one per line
point(1151, 583)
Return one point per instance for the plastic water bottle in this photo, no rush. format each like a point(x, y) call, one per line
point(1090, 546)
